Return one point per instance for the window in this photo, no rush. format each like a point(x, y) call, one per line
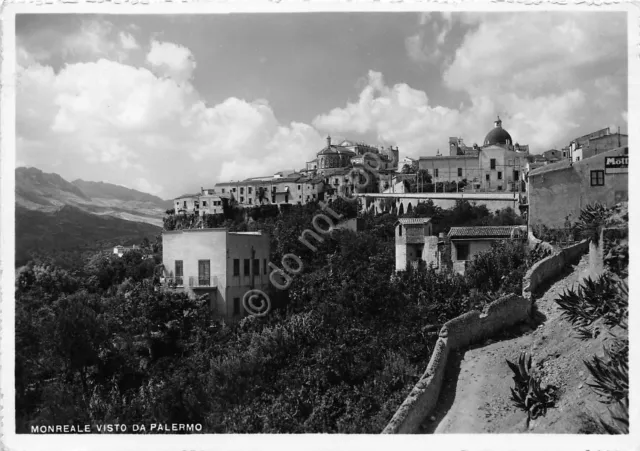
point(234, 190)
point(241, 199)
point(247, 266)
point(242, 190)
point(336, 182)
point(256, 267)
point(185, 204)
point(250, 200)
point(577, 158)
point(499, 175)
point(462, 251)
point(516, 175)
point(223, 190)
point(400, 230)
point(459, 172)
point(264, 266)
point(204, 272)
point(493, 163)
point(597, 178)
point(488, 177)
point(249, 190)
point(298, 187)
point(236, 267)
point(179, 273)
point(236, 306)
point(204, 203)
point(435, 172)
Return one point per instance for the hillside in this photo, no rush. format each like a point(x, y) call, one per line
point(102, 190)
point(71, 229)
point(44, 192)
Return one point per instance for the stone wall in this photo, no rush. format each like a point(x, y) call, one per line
point(460, 332)
point(475, 326)
point(424, 395)
point(551, 267)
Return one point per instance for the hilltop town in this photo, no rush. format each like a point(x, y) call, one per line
point(498, 165)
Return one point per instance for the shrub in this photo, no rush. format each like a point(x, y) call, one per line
point(600, 300)
point(527, 394)
point(499, 269)
point(592, 219)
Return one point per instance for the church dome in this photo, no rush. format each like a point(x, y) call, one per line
point(498, 135)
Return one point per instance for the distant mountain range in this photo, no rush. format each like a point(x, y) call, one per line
point(40, 191)
point(58, 218)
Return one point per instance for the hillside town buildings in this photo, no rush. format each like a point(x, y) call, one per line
point(326, 177)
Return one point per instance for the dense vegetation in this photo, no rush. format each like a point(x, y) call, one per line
point(339, 353)
point(68, 235)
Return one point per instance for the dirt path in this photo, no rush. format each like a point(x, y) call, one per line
point(476, 391)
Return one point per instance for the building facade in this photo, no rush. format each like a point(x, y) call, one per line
point(217, 263)
point(499, 165)
point(563, 189)
point(415, 243)
point(466, 242)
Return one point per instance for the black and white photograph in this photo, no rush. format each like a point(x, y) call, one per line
point(354, 220)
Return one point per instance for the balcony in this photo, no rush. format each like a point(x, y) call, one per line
point(203, 282)
point(173, 281)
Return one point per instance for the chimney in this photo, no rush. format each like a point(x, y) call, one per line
point(328, 141)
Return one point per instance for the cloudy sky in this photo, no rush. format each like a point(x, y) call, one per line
point(167, 104)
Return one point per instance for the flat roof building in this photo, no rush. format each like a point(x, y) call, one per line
point(215, 262)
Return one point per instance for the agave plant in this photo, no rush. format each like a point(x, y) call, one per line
point(620, 416)
point(527, 394)
point(611, 373)
point(592, 219)
point(601, 299)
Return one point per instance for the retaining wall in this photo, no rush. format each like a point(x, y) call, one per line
point(459, 332)
point(550, 267)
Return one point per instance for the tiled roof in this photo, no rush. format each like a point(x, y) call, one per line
point(482, 232)
point(412, 221)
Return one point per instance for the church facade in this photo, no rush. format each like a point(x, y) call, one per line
point(498, 165)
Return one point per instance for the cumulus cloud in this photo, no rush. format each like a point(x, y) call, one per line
point(172, 60)
point(540, 53)
point(403, 116)
point(148, 131)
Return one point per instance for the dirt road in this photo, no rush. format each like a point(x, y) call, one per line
point(476, 392)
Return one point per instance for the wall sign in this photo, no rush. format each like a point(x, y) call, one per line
point(616, 165)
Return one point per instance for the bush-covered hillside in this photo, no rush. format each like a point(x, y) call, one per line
point(341, 351)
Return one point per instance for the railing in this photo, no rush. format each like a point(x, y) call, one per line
point(174, 281)
point(196, 282)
